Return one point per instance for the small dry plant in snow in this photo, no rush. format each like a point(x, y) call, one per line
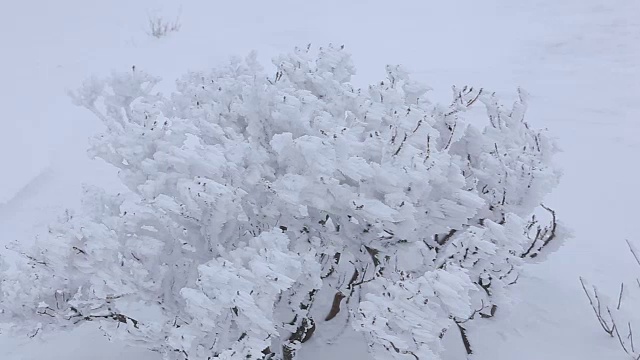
point(160, 27)
point(611, 314)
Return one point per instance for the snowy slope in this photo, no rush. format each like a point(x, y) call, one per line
point(578, 59)
point(584, 70)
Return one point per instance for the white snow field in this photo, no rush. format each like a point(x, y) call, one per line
point(579, 59)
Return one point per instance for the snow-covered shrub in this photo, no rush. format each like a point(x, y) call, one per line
point(265, 211)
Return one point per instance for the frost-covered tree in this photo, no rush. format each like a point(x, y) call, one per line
point(268, 210)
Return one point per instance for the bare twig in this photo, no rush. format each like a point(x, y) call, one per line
point(453, 130)
point(470, 102)
point(401, 144)
point(406, 352)
point(544, 235)
point(630, 337)
point(629, 351)
point(335, 306)
point(465, 339)
point(594, 301)
point(633, 252)
point(620, 296)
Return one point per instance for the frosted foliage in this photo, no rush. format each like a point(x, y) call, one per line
point(264, 211)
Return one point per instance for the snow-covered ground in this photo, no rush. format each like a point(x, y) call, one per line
point(579, 59)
